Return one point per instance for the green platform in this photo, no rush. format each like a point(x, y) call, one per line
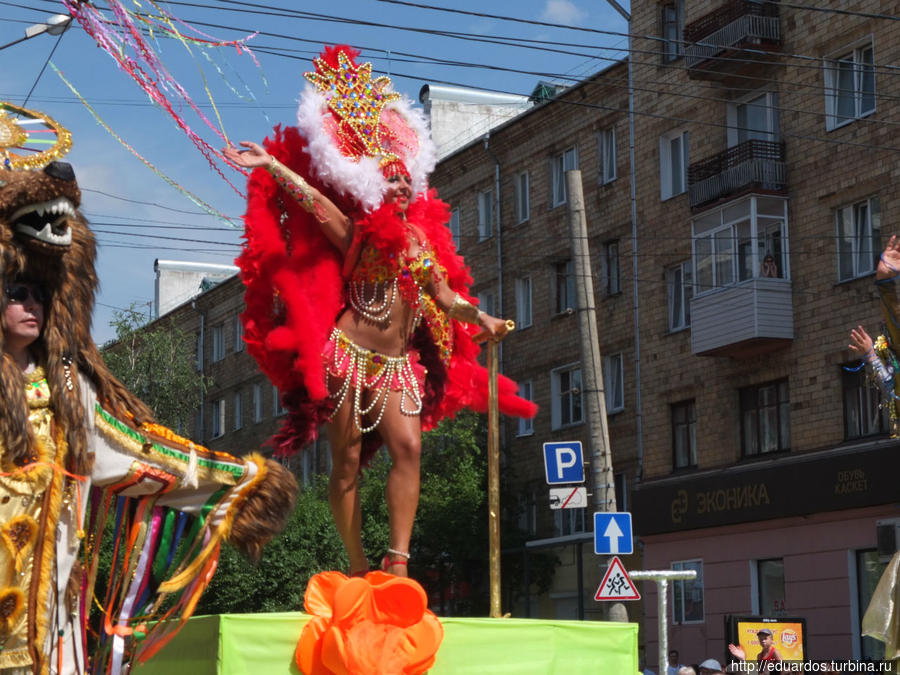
point(263, 644)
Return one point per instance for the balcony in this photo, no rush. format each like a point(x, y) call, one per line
point(743, 320)
point(737, 25)
point(753, 165)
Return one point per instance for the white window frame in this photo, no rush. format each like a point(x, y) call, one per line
point(453, 224)
point(606, 148)
point(683, 584)
point(673, 164)
point(854, 259)
point(570, 521)
point(238, 422)
point(738, 132)
point(257, 403)
point(487, 302)
point(524, 306)
point(238, 334)
point(217, 342)
point(277, 408)
point(854, 57)
point(485, 214)
point(736, 233)
point(559, 164)
point(557, 394)
point(569, 278)
point(680, 287)
point(672, 31)
point(612, 267)
point(523, 197)
point(526, 424)
point(614, 382)
point(217, 418)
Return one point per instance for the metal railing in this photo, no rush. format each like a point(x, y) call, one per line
point(751, 164)
point(737, 22)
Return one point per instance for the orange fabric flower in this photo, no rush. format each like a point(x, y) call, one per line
point(379, 625)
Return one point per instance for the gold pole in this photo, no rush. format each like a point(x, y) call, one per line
point(494, 477)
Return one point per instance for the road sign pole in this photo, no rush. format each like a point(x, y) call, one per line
point(662, 578)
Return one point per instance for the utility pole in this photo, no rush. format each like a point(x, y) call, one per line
point(593, 393)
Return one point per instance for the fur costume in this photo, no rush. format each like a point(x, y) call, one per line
point(72, 437)
point(294, 277)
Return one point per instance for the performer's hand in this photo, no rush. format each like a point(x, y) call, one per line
point(250, 158)
point(861, 343)
point(889, 263)
point(492, 328)
point(737, 652)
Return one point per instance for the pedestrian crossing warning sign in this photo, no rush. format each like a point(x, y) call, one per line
point(616, 584)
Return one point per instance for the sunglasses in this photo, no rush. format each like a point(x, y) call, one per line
point(21, 292)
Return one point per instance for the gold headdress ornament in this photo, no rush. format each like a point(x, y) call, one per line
point(29, 139)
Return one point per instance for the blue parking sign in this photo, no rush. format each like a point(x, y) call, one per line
point(564, 462)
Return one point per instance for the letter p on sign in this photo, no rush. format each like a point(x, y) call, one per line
point(564, 462)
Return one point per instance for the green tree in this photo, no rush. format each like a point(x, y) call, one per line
point(157, 362)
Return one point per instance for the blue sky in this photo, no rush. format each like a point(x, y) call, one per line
point(132, 234)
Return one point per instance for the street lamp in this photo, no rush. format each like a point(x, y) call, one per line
point(55, 25)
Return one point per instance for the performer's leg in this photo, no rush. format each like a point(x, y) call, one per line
point(403, 436)
point(343, 486)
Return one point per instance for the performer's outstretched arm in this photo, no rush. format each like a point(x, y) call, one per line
point(336, 226)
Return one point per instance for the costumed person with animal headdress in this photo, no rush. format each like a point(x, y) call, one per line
point(78, 451)
point(357, 305)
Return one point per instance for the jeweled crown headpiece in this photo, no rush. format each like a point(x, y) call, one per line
point(360, 131)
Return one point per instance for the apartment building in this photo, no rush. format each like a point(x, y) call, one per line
point(764, 167)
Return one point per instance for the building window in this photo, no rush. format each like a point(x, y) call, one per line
point(869, 570)
point(849, 86)
point(523, 302)
point(564, 281)
point(486, 302)
point(680, 290)
point(673, 164)
point(238, 335)
point(569, 521)
point(257, 403)
point(217, 342)
point(277, 407)
point(753, 118)
point(454, 227)
point(740, 241)
point(613, 271)
point(684, 434)
point(485, 215)
point(526, 425)
point(217, 418)
point(672, 23)
point(859, 238)
point(238, 411)
point(565, 161)
point(565, 391)
point(523, 207)
point(770, 586)
point(614, 379)
point(528, 514)
point(863, 412)
point(687, 594)
point(765, 418)
point(607, 149)
point(620, 481)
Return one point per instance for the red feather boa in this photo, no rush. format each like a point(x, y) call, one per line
point(294, 293)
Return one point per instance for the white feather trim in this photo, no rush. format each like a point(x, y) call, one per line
point(362, 180)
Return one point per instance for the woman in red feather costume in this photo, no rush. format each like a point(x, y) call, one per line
point(356, 301)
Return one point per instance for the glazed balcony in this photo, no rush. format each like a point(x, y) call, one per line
point(737, 25)
point(753, 165)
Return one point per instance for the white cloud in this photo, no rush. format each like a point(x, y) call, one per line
point(562, 11)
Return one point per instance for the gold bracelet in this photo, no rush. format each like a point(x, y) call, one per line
point(294, 184)
point(463, 310)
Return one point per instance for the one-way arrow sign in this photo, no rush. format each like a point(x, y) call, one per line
point(612, 534)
